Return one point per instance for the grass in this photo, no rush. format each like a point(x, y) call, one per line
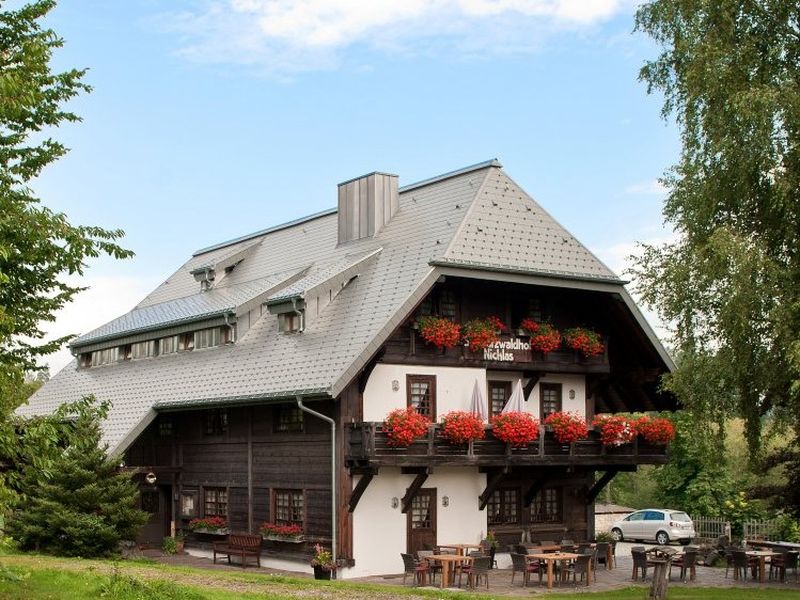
point(37, 577)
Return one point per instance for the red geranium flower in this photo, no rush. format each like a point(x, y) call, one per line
point(459, 427)
point(544, 337)
point(657, 430)
point(442, 333)
point(516, 428)
point(586, 341)
point(404, 425)
point(615, 430)
point(567, 427)
point(480, 333)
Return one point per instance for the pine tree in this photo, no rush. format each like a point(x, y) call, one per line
point(86, 506)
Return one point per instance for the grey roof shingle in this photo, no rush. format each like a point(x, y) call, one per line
point(476, 214)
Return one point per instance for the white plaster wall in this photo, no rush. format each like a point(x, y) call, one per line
point(454, 388)
point(379, 531)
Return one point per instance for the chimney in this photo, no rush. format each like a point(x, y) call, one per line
point(366, 204)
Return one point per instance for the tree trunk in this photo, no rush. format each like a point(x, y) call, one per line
point(658, 589)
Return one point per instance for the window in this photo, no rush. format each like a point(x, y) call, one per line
point(288, 418)
point(188, 504)
point(637, 516)
point(549, 399)
point(186, 342)
point(165, 428)
point(503, 507)
point(447, 304)
point(499, 393)
point(86, 359)
point(426, 307)
point(124, 352)
point(535, 311)
point(421, 394)
point(216, 421)
point(168, 345)
point(289, 507)
point(547, 506)
point(143, 349)
point(653, 515)
point(207, 338)
point(104, 357)
point(289, 322)
point(216, 502)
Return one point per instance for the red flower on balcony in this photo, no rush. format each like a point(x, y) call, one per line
point(481, 333)
point(544, 337)
point(585, 341)
point(567, 427)
point(285, 531)
point(656, 430)
point(615, 430)
point(460, 427)
point(404, 425)
point(440, 332)
point(516, 428)
point(498, 324)
point(208, 523)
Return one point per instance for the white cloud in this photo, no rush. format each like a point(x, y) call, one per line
point(285, 36)
point(647, 188)
point(107, 298)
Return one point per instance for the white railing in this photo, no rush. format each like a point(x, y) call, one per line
point(761, 530)
point(714, 527)
point(711, 527)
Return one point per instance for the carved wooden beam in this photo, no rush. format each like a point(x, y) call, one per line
point(491, 486)
point(534, 489)
point(412, 490)
point(535, 376)
point(599, 485)
point(359, 490)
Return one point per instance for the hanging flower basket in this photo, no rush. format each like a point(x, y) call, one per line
point(210, 525)
point(282, 533)
point(516, 428)
point(442, 333)
point(544, 337)
point(585, 341)
point(460, 427)
point(567, 427)
point(481, 333)
point(404, 425)
point(656, 430)
point(615, 430)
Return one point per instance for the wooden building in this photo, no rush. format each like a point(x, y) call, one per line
point(252, 383)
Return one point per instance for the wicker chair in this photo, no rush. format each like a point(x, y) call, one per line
point(419, 569)
point(433, 568)
point(742, 562)
point(686, 563)
point(479, 568)
point(519, 564)
point(781, 563)
point(602, 549)
point(639, 562)
point(580, 566)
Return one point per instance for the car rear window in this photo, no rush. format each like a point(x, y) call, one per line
point(680, 516)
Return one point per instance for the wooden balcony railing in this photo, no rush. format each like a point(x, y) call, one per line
point(368, 447)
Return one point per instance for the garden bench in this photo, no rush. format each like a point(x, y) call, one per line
point(239, 544)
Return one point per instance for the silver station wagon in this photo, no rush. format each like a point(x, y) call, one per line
point(659, 524)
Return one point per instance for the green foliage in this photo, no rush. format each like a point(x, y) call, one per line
point(81, 505)
point(170, 545)
point(125, 587)
point(729, 284)
point(788, 529)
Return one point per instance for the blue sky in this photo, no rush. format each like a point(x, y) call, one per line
point(211, 119)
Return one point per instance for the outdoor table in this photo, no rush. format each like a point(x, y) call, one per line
point(551, 558)
point(548, 548)
point(449, 562)
point(461, 549)
point(762, 556)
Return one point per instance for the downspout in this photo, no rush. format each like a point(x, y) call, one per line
point(333, 471)
point(229, 326)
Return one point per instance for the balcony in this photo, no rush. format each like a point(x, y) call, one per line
point(368, 448)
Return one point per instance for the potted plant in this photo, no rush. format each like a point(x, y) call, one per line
point(173, 545)
point(481, 333)
point(460, 427)
point(281, 533)
point(515, 428)
point(615, 430)
point(491, 543)
point(322, 562)
point(403, 426)
point(568, 427)
point(585, 341)
point(210, 525)
point(656, 430)
point(544, 337)
point(442, 333)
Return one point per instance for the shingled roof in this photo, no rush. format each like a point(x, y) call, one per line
point(474, 218)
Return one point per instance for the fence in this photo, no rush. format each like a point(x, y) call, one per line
point(712, 528)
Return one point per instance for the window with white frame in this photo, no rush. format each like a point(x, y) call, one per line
point(289, 507)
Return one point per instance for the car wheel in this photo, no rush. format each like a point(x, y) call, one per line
point(616, 534)
point(662, 539)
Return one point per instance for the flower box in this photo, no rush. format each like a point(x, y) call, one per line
point(298, 539)
point(218, 531)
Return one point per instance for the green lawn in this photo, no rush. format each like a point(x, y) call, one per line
point(35, 577)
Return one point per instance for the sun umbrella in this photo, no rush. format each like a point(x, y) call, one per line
point(516, 402)
point(478, 406)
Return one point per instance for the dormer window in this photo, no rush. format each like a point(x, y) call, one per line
point(289, 322)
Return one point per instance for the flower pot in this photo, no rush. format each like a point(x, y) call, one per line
point(320, 573)
point(179, 547)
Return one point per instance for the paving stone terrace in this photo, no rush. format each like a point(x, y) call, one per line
point(500, 579)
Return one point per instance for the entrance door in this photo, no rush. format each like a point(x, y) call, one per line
point(156, 502)
point(422, 521)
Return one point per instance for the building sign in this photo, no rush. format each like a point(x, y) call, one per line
point(509, 349)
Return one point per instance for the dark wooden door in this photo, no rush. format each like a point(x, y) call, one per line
point(421, 521)
point(156, 501)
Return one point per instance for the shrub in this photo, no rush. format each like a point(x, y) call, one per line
point(404, 425)
point(124, 587)
point(567, 427)
point(516, 428)
point(459, 427)
point(442, 333)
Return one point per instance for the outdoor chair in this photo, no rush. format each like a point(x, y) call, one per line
point(519, 564)
point(521, 549)
point(568, 548)
point(742, 562)
point(639, 563)
point(486, 549)
point(479, 568)
point(783, 562)
point(580, 567)
point(602, 553)
point(686, 562)
point(419, 569)
point(582, 548)
point(433, 568)
point(729, 551)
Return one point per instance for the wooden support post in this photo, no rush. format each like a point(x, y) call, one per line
point(412, 490)
point(534, 489)
point(599, 485)
point(491, 486)
point(250, 524)
point(359, 490)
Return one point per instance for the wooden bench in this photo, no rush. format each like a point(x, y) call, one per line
point(239, 544)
